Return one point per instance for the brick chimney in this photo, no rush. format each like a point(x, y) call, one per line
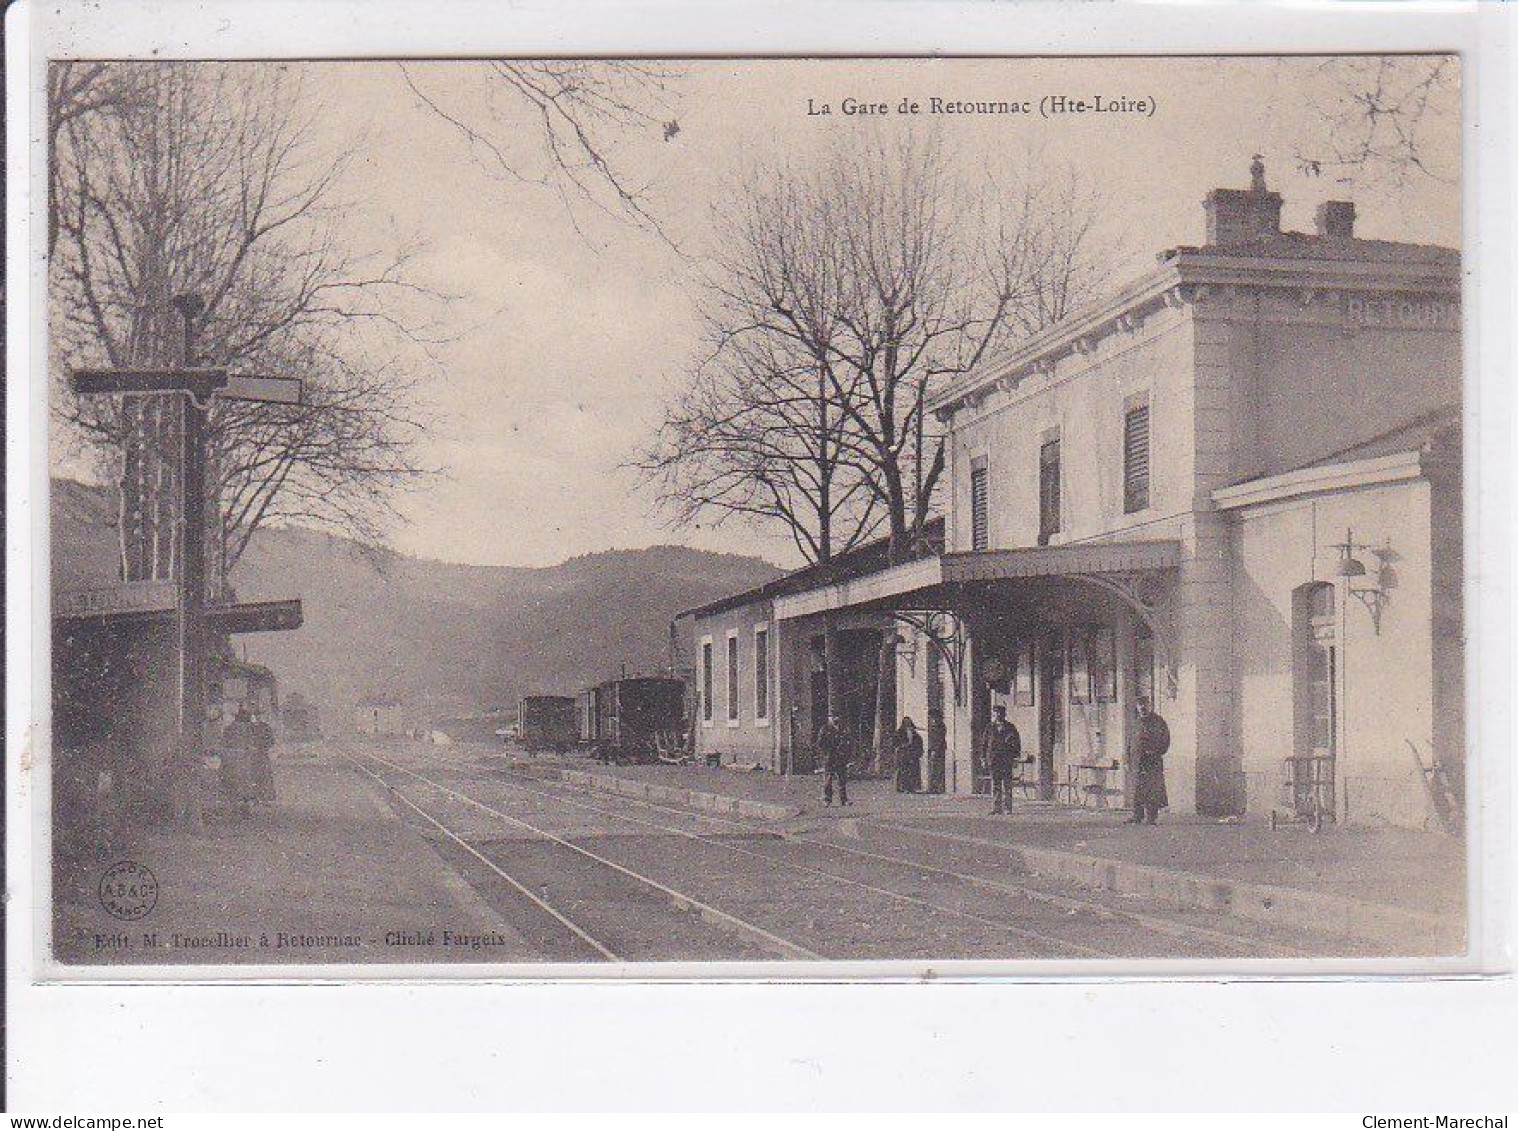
point(1241, 215)
point(1336, 218)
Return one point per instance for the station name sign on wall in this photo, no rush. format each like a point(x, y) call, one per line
point(1401, 313)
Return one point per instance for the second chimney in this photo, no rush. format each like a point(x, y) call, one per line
point(1336, 218)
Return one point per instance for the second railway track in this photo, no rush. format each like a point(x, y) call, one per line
point(1051, 924)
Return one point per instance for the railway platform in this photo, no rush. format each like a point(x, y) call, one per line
point(1383, 884)
point(332, 874)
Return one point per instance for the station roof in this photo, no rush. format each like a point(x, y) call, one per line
point(861, 560)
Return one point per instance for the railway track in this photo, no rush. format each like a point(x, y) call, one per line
point(1233, 943)
point(1059, 943)
point(760, 943)
point(1049, 945)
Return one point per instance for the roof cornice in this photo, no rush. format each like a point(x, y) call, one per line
point(1182, 277)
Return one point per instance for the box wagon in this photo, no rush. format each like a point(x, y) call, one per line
point(633, 720)
point(548, 722)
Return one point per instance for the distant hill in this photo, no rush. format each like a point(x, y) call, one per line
point(444, 637)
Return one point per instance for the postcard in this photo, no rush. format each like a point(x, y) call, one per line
point(910, 516)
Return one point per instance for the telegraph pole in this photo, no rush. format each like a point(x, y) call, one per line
point(192, 573)
point(196, 389)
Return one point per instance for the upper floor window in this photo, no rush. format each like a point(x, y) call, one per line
point(1136, 457)
point(980, 530)
point(1048, 490)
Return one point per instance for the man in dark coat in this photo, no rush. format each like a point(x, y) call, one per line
point(1151, 742)
point(833, 745)
point(1004, 749)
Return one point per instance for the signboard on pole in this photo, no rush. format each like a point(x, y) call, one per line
point(266, 390)
point(96, 382)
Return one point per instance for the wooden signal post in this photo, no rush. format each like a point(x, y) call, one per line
point(197, 387)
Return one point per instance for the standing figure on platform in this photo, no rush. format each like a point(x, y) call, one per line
point(1151, 742)
point(236, 763)
point(1004, 749)
point(908, 757)
point(261, 744)
point(833, 745)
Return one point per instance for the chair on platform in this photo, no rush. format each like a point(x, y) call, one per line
point(1069, 790)
point(1021, 780)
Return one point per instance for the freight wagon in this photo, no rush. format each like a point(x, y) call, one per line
point(547, 722)
point(634, 720)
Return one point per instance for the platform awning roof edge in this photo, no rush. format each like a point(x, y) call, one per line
point(927, 579)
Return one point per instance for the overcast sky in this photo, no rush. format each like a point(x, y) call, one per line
point(566, 340)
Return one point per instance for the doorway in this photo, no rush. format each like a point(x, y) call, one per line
point(1051, 710)
point(1315, 662)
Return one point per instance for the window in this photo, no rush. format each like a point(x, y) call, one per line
point(1093, 665)
point(1048, 490)
point(980, 533)
point(761, 672)
point(1024, 679)
point(1103, 665)
point(1136, 458)
point(706, 680)
point(732, 679)
point(1080, 667)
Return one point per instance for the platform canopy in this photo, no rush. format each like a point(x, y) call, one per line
point(152, 600)
point(933, 582)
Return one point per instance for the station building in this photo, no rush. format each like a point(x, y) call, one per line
point(1233, 488)
point(761, 686)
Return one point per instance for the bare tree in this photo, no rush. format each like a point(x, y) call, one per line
point(755, 436)
point(757, 433)
point(884, 275)
point(207, 178)
point(75, 90)
point(559, 123)
point(940, 276)
point(1382, 118)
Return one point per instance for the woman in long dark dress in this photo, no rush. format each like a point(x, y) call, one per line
point(908, 758)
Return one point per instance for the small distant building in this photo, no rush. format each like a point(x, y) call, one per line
point(379, 714)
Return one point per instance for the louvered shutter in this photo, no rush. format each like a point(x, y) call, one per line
point(979, 518)
point(1048, 490)
point(1136, 459)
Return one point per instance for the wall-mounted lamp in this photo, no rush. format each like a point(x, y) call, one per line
point(1369, 593)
